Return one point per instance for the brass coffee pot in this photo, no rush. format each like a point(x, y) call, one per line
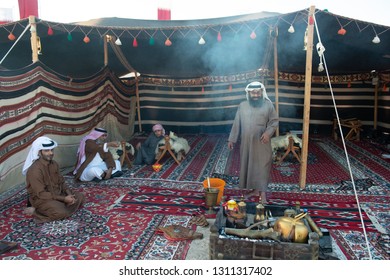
point(292, 229)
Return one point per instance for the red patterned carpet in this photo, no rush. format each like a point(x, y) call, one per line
point(163, 201)
point(121, 217)
point(95, 232)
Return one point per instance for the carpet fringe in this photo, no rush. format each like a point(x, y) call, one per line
point(374, 220)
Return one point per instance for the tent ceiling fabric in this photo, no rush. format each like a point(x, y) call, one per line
point(236, 52)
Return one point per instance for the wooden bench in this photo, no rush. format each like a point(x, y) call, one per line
point(167, 148)
point(354, 126)
point(291, 148)
point(125, 157)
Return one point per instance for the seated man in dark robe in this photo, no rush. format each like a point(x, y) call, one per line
point(146, 152)
point(95, 162)
point(49, 197)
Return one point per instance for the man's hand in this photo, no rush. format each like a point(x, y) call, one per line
point(230, 145)
point(113, 144)
point(70, 199)
point(264, 138)
point(108, 173)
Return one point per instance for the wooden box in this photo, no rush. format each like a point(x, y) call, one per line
point(223, 246)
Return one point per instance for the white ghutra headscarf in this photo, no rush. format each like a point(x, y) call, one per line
point(41, 143)
point(93, 135)
point(256, 85)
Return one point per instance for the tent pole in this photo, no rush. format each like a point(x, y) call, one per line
point(34, 38)
point(306, 107)
point(276, 78)
point(376, 106)
point(138, 103)
point(106, 38)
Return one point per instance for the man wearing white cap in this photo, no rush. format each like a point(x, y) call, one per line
point(95, 162)
point(255, 122)
point(49, 197)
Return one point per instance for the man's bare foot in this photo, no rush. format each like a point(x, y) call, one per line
point(29, 211)
point(253, 193)
point(264, 198)
point(108, 174)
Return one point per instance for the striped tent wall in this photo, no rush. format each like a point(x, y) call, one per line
point(36, 101)
point(209, 105)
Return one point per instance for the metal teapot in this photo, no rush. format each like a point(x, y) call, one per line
point(292, 229)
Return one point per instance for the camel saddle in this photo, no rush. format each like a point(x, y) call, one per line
point(179, 233)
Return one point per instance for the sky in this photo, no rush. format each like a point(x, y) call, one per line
point(66, 11)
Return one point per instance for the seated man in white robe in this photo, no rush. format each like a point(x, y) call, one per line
point(95, 162)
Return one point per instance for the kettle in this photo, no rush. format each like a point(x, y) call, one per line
point(292, 229)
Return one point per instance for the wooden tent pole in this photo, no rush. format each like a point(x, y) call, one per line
point(106, 38)
point(276, 78)
point(138, 102)
point(34, 38)
point(306, 107)
point(376, 106)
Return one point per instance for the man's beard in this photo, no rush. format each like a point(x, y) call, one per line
point(256, 103)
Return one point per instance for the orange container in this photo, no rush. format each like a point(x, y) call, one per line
point(216, 183)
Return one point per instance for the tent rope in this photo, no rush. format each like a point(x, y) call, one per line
point(267, 52)
point(343, 140)
point(119, 54)
point(14, 44)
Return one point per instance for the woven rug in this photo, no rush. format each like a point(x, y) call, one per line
point(145, 199)
point(118, 221)
point(207, 153)
point(96, 231)
point(353, 244)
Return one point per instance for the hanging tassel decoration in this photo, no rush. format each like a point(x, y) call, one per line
point(219, 37)
point(135, 43)
point(168, 42)
point(341, 31)
point(50, 31)
point(11, 37)
point(376, 40)
point(86, 39)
